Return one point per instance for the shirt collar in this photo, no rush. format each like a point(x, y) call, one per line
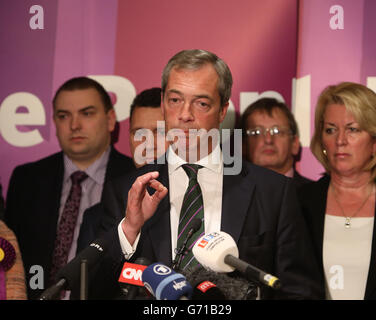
point(290, 173)
point(213, 161)
point(96, 171)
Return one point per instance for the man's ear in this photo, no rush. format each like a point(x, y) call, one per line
point(295, 146)
point(223, 112)
point(162, 105)
point(111, 118)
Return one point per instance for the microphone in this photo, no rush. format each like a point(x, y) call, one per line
point(228, 286)
point(207, 290)
point(69, 275)
point(166, 284)
point(130, 278)
point(218, 252)
point(195, 225)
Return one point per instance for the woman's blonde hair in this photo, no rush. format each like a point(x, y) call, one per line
point(360, 102)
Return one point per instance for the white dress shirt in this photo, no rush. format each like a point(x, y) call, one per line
point(210, 178)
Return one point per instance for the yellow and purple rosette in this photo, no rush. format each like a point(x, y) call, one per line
point(7, 260)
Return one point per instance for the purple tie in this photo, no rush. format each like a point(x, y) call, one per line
point(67, 224)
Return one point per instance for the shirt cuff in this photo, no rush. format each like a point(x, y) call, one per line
point(126, 248)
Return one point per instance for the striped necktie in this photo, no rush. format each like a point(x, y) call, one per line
point(192, 207)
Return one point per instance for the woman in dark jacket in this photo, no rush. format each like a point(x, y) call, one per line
point(340, 207)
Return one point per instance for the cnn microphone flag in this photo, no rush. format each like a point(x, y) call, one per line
point(132, 274)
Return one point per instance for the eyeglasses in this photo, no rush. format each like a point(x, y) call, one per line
point(273, 131)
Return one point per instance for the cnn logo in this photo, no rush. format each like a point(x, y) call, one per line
point(132, 273)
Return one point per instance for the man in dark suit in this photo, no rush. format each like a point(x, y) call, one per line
point(257, 207)
point(145, 139)
point(271, 138)
point(85, 119)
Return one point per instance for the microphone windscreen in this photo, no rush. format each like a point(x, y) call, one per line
point(196, 224)
point(142, 261)
point(164, 283)
point(207, 290)
point(231, 285)
point(93, 254)
point(211, 249)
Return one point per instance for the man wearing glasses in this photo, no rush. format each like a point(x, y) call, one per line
point(271, 138)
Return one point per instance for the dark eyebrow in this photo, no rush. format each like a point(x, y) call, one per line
point(60, 110)
point(88, 108)
point(175, 91)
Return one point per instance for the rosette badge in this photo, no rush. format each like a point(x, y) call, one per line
point(7, 260)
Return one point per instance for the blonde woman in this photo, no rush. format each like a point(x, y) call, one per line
point(340, 207)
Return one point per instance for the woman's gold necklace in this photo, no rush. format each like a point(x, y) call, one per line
point(348, 218)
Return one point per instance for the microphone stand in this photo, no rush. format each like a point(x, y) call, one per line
point(84, 280)
point(179, 254)
point(52, 292)
point(196, 224)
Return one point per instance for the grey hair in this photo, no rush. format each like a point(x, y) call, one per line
point(195, 59)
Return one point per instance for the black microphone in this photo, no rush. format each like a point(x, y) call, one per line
point(251, 272)
point(130, 279)
point(195, 225)
point(210, 285)
point(69, 275)
point(207, 290)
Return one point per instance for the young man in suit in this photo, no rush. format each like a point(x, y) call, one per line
point(146, 141)
point(271, 138)
point(40, 199)
point(148, 206)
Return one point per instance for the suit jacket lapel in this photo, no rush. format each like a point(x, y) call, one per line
point(117, 165)
point(54, 179)
point(371, 280)
point(317, 207)
point(236, 197)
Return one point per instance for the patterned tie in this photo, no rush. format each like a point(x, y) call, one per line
point(67, 224)
point(192, 207)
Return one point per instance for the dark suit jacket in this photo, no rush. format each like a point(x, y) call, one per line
point(313, 198)
point(259, 210)
point(299, 180)
point(32, 208)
